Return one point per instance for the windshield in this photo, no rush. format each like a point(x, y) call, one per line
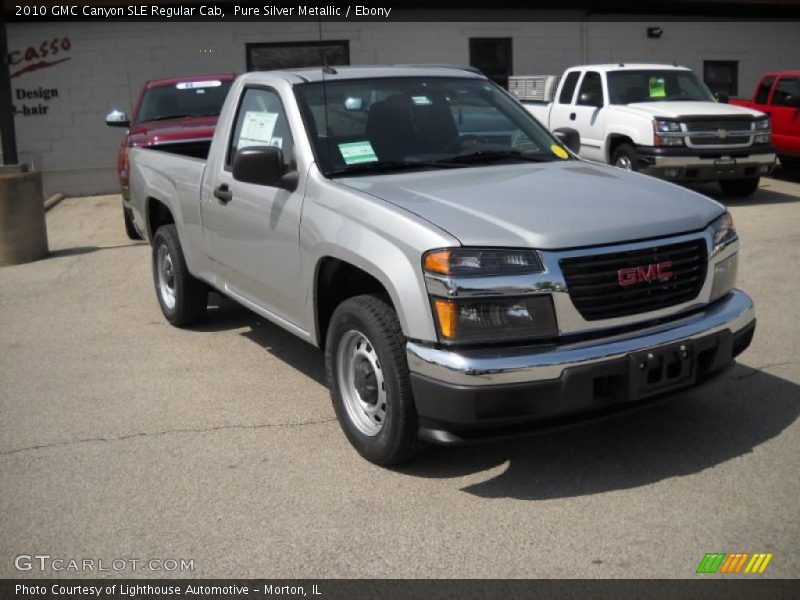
point(200, 98)
point(653, 85)
point(383, 124)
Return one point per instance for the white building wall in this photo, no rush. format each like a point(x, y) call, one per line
point(109, 62)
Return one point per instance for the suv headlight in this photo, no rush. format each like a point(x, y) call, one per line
point(724, 232)
point(665, 133)
point(497, 317)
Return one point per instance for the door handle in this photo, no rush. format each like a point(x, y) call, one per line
point(571, 116)
point(223, 193)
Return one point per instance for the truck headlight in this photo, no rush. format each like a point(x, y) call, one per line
point(761, 124)
point(495, 319)
point(724, 232)
point(762, 130)
point(666, 126)
point(665, 131)
point(724, 276)
point(460, 262)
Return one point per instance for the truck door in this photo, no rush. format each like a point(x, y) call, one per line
point(252, 230)
point(561, 112)
point(588, 116)
point(785, 115)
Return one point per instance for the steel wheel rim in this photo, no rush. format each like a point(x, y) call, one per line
point(624, 162)
point(361, 383)
point(166, 277)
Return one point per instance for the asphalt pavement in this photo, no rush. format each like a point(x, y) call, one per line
point(124, 438)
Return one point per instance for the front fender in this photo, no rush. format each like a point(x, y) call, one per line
point(375, 236)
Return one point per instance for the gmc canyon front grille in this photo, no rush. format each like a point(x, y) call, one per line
point(599, 290)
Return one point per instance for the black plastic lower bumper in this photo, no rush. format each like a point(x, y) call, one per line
point(456, 414)
point(705, 164)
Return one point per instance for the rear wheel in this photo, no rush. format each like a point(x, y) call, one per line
point(182, 298)
point(739, 188)
point(368, 379)
point(130, 228)
point(625, 157)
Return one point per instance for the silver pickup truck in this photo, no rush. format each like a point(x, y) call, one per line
point(467, 275)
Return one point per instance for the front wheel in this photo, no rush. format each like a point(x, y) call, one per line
point(739, 188)
point(625, 157)
point(369, 382)
point(182, 298)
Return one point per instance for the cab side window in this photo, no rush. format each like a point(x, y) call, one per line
point(787, 86)
point(762, 95)
point(261, 121)
point(568, 89)
point(592, 84)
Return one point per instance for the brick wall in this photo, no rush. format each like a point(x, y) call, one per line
point(109, 62)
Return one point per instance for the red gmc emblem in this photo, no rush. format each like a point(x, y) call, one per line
point(647, 273)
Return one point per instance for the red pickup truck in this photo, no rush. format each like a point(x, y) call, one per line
point(778, 95)
point(178, 114)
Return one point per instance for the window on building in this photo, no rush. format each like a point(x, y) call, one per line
point(762, 95)
point(592, 84)
point(568, 89)
point(296, 55)
point(787, 86)
point(722, 76)
point(493, 57)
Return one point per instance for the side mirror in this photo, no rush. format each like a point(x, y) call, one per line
point(589, 99)
point(569, 137)
point(722, 97)
point(117, 118)
point(263, 165)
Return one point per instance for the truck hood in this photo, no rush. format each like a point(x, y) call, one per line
point(688, 109)
point(172, 130)
point(547, 206)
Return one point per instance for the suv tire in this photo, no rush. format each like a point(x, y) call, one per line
point(739, 188)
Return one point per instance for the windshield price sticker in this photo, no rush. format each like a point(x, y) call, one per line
point(257, 129)
point(357, 152)
point(657, 87)
point(193, 85)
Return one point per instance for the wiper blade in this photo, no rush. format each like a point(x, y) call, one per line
point(391, 165)
point(482, 155)
point(165, 117)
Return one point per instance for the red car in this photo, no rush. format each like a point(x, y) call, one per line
point(778, 95)
point(179, 114)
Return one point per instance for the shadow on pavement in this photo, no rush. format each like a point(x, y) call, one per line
point(683, 435)
point(79, 250)
point(225, 314)
point(679, 436)
point(763, 196)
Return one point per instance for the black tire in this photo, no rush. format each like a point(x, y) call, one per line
point(374, 318)
point(739, 188)
point(790, 163)
point(189, 295)
point(130, 228)
point(625, 157)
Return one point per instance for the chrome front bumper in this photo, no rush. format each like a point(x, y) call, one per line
point(499, 366)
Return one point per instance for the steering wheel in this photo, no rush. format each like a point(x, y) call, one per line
point(465, 142)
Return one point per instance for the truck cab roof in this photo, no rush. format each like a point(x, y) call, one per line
point(317, 74)
point(628, 66)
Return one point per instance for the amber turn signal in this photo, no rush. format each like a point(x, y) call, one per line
point(446, 315)
point(438, 262)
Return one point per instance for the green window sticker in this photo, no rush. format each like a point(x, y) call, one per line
point(657, 87)
point(357, 152)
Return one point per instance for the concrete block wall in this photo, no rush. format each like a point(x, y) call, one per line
point(109, 62)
